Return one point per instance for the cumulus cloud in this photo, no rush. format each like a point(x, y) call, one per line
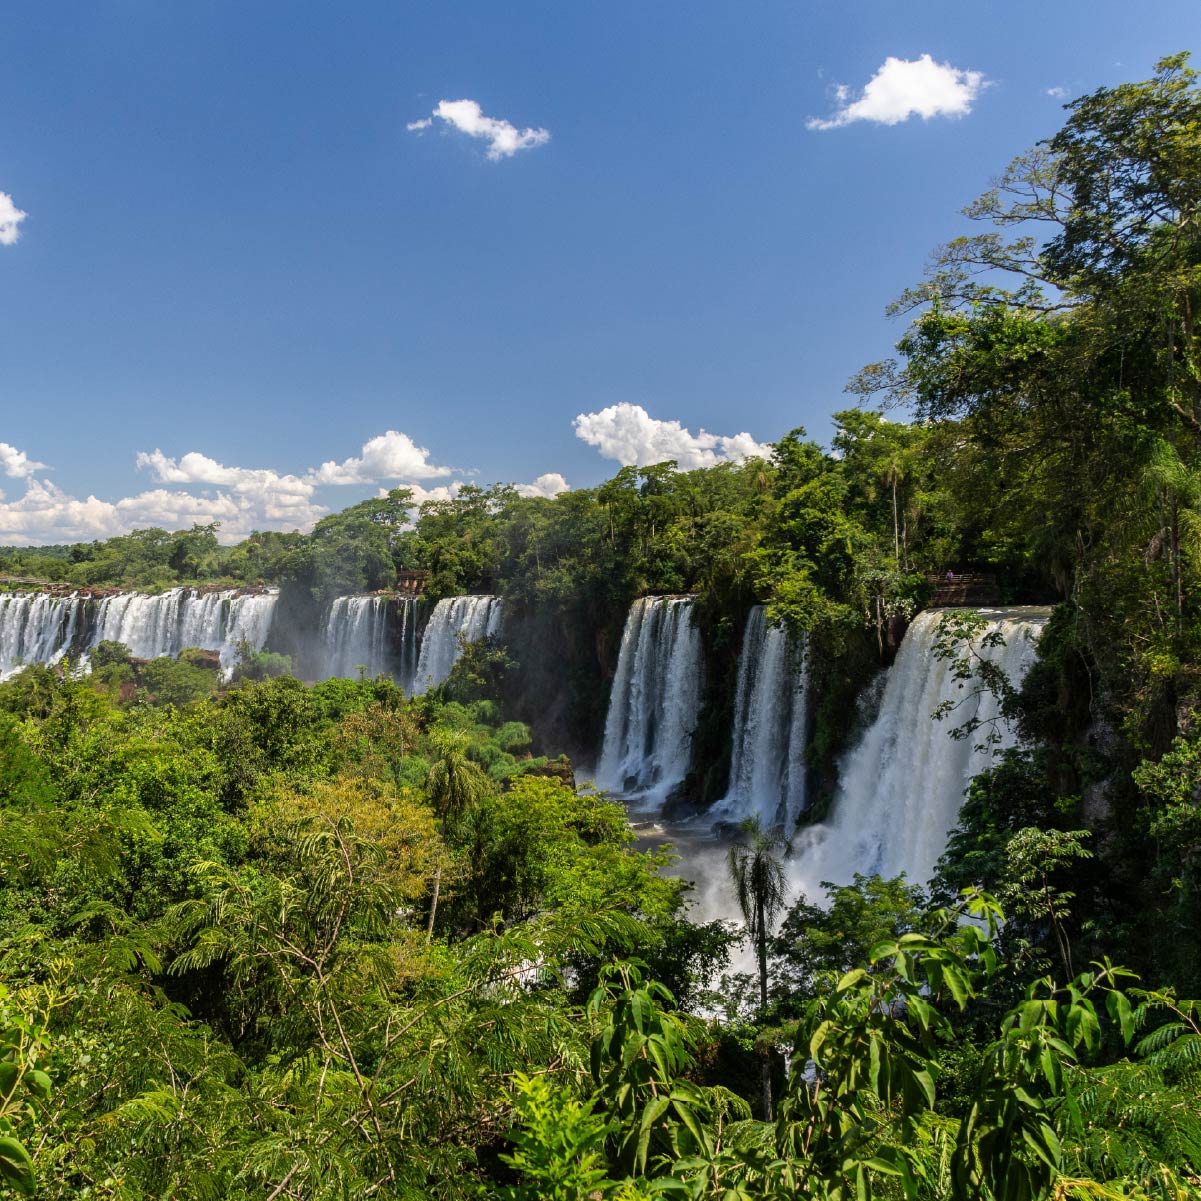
point(504, 139)
point(10, 218)
point(16, 464)
point(391, 456)
point(904, 88)
point(197, 488)
point(630, 435)
point(1058, 93)
point(548, 485)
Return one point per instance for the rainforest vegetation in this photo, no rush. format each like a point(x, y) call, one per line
point(265, 939)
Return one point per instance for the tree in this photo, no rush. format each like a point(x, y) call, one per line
point(757, 874)
point(817, 943)
point(453, 784)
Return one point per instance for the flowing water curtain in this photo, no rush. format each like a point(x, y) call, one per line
point(35, 628)
point(165, 624)
point(147, 625)
point(354, 636)
point(376, 633)
point(655, 700)
point(473, 617)
point(902, 785)
point(248, 622)
point(771, 710)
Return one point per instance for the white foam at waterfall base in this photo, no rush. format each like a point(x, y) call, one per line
point(472, 617)
point(654, 702)
point(902, 786)
point(767, 756)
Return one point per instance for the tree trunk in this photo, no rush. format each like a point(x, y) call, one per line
point(896, 526)
point(761, 948)
point(429, 934)
point(1177, 566)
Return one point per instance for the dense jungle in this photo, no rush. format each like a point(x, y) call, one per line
point(273, 930)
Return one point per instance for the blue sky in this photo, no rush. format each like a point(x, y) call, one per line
point(236, 253)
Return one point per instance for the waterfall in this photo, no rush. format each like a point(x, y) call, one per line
point(771, 710)
point(35, 628)
point(473, 617)
point(40, 628)
point(655, 701)
point(249, 621)
point(902, 786)
point(152, 626)
point(378, 633)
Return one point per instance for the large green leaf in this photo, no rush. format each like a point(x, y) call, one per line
point(16, 1168)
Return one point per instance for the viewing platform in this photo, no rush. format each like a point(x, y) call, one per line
point(411, 583)
point(963, 590)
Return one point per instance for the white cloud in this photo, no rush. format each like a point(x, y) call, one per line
point(904, 88)
point(16, 464)
point(10, 218)
point(201, 489)
point(196, 488)
point(1058, 93)
point(504, 139)
point(630, 435)
point(548, 485)
point(391, 456)
point(47, 514)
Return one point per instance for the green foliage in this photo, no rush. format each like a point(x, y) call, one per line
point(24, 1089)
point(558, 1146)
point(817, 944)
point(260, 665)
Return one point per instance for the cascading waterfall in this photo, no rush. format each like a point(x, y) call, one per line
point(35, 628)
point(902, 787)
point(378, 633)
point(39, 628)
point(152, 626)
point(473, 617)
point(771, 711)
point(655, 701)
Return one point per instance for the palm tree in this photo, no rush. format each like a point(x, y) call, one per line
point(454, 784)
point(757, 872)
